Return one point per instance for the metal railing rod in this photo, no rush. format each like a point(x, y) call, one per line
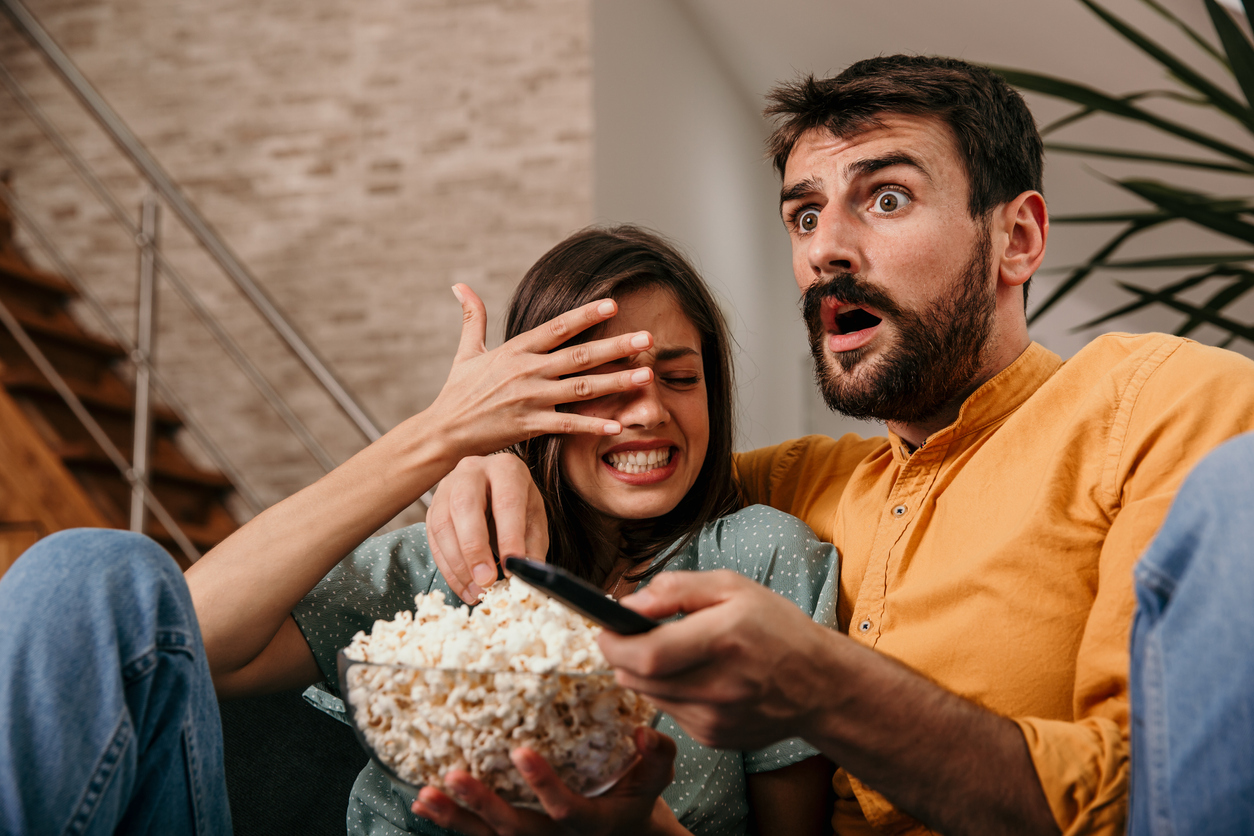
point(169, 191)
point(95, 430)
point(189, 297)
point(145, 320)
point(65, 269)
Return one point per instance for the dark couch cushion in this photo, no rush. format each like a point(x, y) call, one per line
point(289, 767)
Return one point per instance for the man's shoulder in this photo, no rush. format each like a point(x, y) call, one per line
point(813, 452)
point(1123, 350)
point(797, 473)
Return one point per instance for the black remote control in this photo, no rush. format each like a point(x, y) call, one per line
point(580, 596)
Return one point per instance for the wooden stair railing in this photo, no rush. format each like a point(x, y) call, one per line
point(53, 474)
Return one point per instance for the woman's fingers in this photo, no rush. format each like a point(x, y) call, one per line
point(656, 767)
point(444, 811)
point(544, 338)
point(474, 323)
point(492, 810)
point(557, 798)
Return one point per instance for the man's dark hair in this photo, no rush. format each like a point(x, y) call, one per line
point(995, 132)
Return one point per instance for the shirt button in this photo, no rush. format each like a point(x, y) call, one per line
point(864, 626)
point(899, 510)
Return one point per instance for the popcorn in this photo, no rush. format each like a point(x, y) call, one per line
point(518, 670)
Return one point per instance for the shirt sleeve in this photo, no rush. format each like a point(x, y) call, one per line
point(377, 580)
point(780, 552)
point(1188, 405)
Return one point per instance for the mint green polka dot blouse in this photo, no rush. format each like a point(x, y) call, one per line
point(381, 577)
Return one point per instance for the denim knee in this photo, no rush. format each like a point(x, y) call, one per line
point(100, 549)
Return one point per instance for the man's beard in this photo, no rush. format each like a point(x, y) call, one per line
point(938, 351)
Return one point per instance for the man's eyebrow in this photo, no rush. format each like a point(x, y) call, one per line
point(870, 165)
point(801, 188)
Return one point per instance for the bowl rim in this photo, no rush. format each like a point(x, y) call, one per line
point(342, 653)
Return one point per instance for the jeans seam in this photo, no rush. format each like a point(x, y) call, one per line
point(1157, 738)
point(103, 772)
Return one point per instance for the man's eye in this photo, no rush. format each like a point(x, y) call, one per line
point(890, 200)
point(808, 220)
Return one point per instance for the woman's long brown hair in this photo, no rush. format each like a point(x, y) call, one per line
point(599, 263)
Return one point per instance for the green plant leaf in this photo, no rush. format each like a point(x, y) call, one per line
point(1240, 52)
point(1198, 260)
point(1192, 162)
point(1189, 32)
point(1087, 96)
point(1186, 74)
point(1217, 302)
point(1180, 203)
point(1133, 307)
point(1110, 217)
point(1095, 261)
point(1084, 112)
point(1208, 316)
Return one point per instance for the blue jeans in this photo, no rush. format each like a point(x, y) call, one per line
point(1192, 675)
point(108, 719)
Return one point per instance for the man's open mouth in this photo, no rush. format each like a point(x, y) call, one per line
point(851, 318)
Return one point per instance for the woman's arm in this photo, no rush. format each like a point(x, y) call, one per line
point(796, 799)
point(245, 588)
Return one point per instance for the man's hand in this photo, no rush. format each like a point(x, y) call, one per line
point(632, 806)
point(484, 499)
point(738, 672)
point(745, 667)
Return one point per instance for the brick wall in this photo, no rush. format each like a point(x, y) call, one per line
point(359, 157)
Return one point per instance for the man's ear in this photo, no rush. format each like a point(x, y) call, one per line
point(1024, 222)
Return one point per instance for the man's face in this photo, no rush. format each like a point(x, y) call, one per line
point(898, 293)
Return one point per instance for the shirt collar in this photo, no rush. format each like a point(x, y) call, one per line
point(995, 399)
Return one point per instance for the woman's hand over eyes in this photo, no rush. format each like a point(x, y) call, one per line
point(496, 398)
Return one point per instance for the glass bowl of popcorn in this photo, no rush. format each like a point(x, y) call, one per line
point(446, 688)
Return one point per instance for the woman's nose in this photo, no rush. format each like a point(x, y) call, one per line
point(644, 408)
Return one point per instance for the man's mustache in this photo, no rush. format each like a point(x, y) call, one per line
point(850, 289)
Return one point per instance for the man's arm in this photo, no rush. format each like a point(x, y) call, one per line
point(746, 668)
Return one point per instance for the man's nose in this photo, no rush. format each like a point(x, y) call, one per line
point(832, 248)
point(645, 408)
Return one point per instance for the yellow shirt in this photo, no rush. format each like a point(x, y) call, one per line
point(997, 558)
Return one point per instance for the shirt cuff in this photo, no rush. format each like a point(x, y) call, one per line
point(1084, 771)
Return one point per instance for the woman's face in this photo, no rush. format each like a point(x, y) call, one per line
point(645, 471)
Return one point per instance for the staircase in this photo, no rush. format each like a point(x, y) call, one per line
point(53, 474)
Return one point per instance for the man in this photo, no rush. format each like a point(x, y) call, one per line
point(979, 682)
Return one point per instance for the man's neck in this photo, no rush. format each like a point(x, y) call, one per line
point(915, 433)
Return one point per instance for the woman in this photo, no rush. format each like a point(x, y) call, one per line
point(648, 492)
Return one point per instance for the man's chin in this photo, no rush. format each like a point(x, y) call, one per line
point(847, 361)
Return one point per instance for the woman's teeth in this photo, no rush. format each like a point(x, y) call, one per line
point(640, 461)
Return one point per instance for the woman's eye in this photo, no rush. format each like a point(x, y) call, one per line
point(890, 200)
point(683, 381)
point(808, 220)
